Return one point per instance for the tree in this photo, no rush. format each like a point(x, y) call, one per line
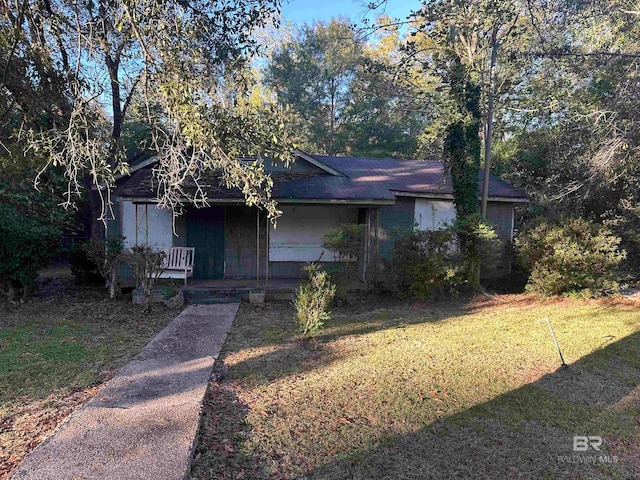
point(346, 92)
point(389, 106)
point(459, 42)
point(573, 136)
point(313, 73)
point(183, 64)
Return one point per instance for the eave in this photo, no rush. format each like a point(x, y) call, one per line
point(449, 196)
point(297, 201)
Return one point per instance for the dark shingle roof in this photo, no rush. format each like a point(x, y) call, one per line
point(412, 176)
point(365, 179)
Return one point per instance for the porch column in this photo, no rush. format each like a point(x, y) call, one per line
point(266, 256)
point(257, 247)
point(376, 244)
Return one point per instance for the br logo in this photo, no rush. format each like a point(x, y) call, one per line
point(582, 443)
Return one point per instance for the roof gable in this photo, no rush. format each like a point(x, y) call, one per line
point(312, 159)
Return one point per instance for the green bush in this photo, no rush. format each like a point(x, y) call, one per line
point(106, 255)
point(570, 257)
point(312, 301)
point(347, 242)
point(26, 245)
point(83, 267)
point(425, 264)
point(480, 246)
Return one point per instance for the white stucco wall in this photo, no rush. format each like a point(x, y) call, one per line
point(146, 223)
point(433, 214)
point(299, 232)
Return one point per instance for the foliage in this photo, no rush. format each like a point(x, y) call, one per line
point(176, 71)
point(480, 246)
point(434, 263)
point(346, 94)
point(425, 264)
point(147, 264)
point(570, 256)
point(32, 222)
point(105, 254)
point(16, 189)
point(312, 301)
point(462, 140)
point(27, 245)
point(83, 268)
point(459, 42)
point(312, 73)
point(347, 243)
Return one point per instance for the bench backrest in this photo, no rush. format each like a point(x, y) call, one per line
point(179, 257)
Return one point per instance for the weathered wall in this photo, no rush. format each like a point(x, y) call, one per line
point(395, 220)
point(501, 216)
point(433, 214)
point(300, 231)
point(146, 223)
point(240, 246)
point(296, 240)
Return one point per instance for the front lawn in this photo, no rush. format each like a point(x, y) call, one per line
point(456, 389)
point(55, 350)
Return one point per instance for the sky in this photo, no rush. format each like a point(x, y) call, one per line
point(306, 11)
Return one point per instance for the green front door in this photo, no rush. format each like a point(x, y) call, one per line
point(205, 232)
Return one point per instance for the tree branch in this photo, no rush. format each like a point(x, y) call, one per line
point(563, 53)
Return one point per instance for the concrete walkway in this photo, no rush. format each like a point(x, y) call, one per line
point(142, 423)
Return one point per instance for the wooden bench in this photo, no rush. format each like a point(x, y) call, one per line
point(178, 263)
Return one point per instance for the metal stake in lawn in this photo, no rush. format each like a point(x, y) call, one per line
point(553, 335)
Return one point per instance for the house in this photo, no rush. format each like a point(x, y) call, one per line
point(316, 193)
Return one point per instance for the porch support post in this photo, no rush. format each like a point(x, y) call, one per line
point(367, 245)
point(266, 255)
point(376, 244)
point(257, 247)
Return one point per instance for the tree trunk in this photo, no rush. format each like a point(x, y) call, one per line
point(488, 130)
point(115, 278)
point(96, 208)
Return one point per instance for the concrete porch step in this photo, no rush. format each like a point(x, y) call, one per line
point(205, 296)
point(213, 300)
point(212, 296)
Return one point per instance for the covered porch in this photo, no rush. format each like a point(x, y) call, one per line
point(238, 247)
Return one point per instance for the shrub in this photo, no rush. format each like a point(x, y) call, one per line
point(312, 301)
point(147, 264)
point(347, 243)
point(26, 245)
point(480, 246)
point(425, 263)
point(83, 268)
point(571, 256)
point(105, 255)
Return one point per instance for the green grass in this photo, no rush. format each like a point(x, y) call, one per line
point(467, 389)
point(54, 350)
point(65, 344)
